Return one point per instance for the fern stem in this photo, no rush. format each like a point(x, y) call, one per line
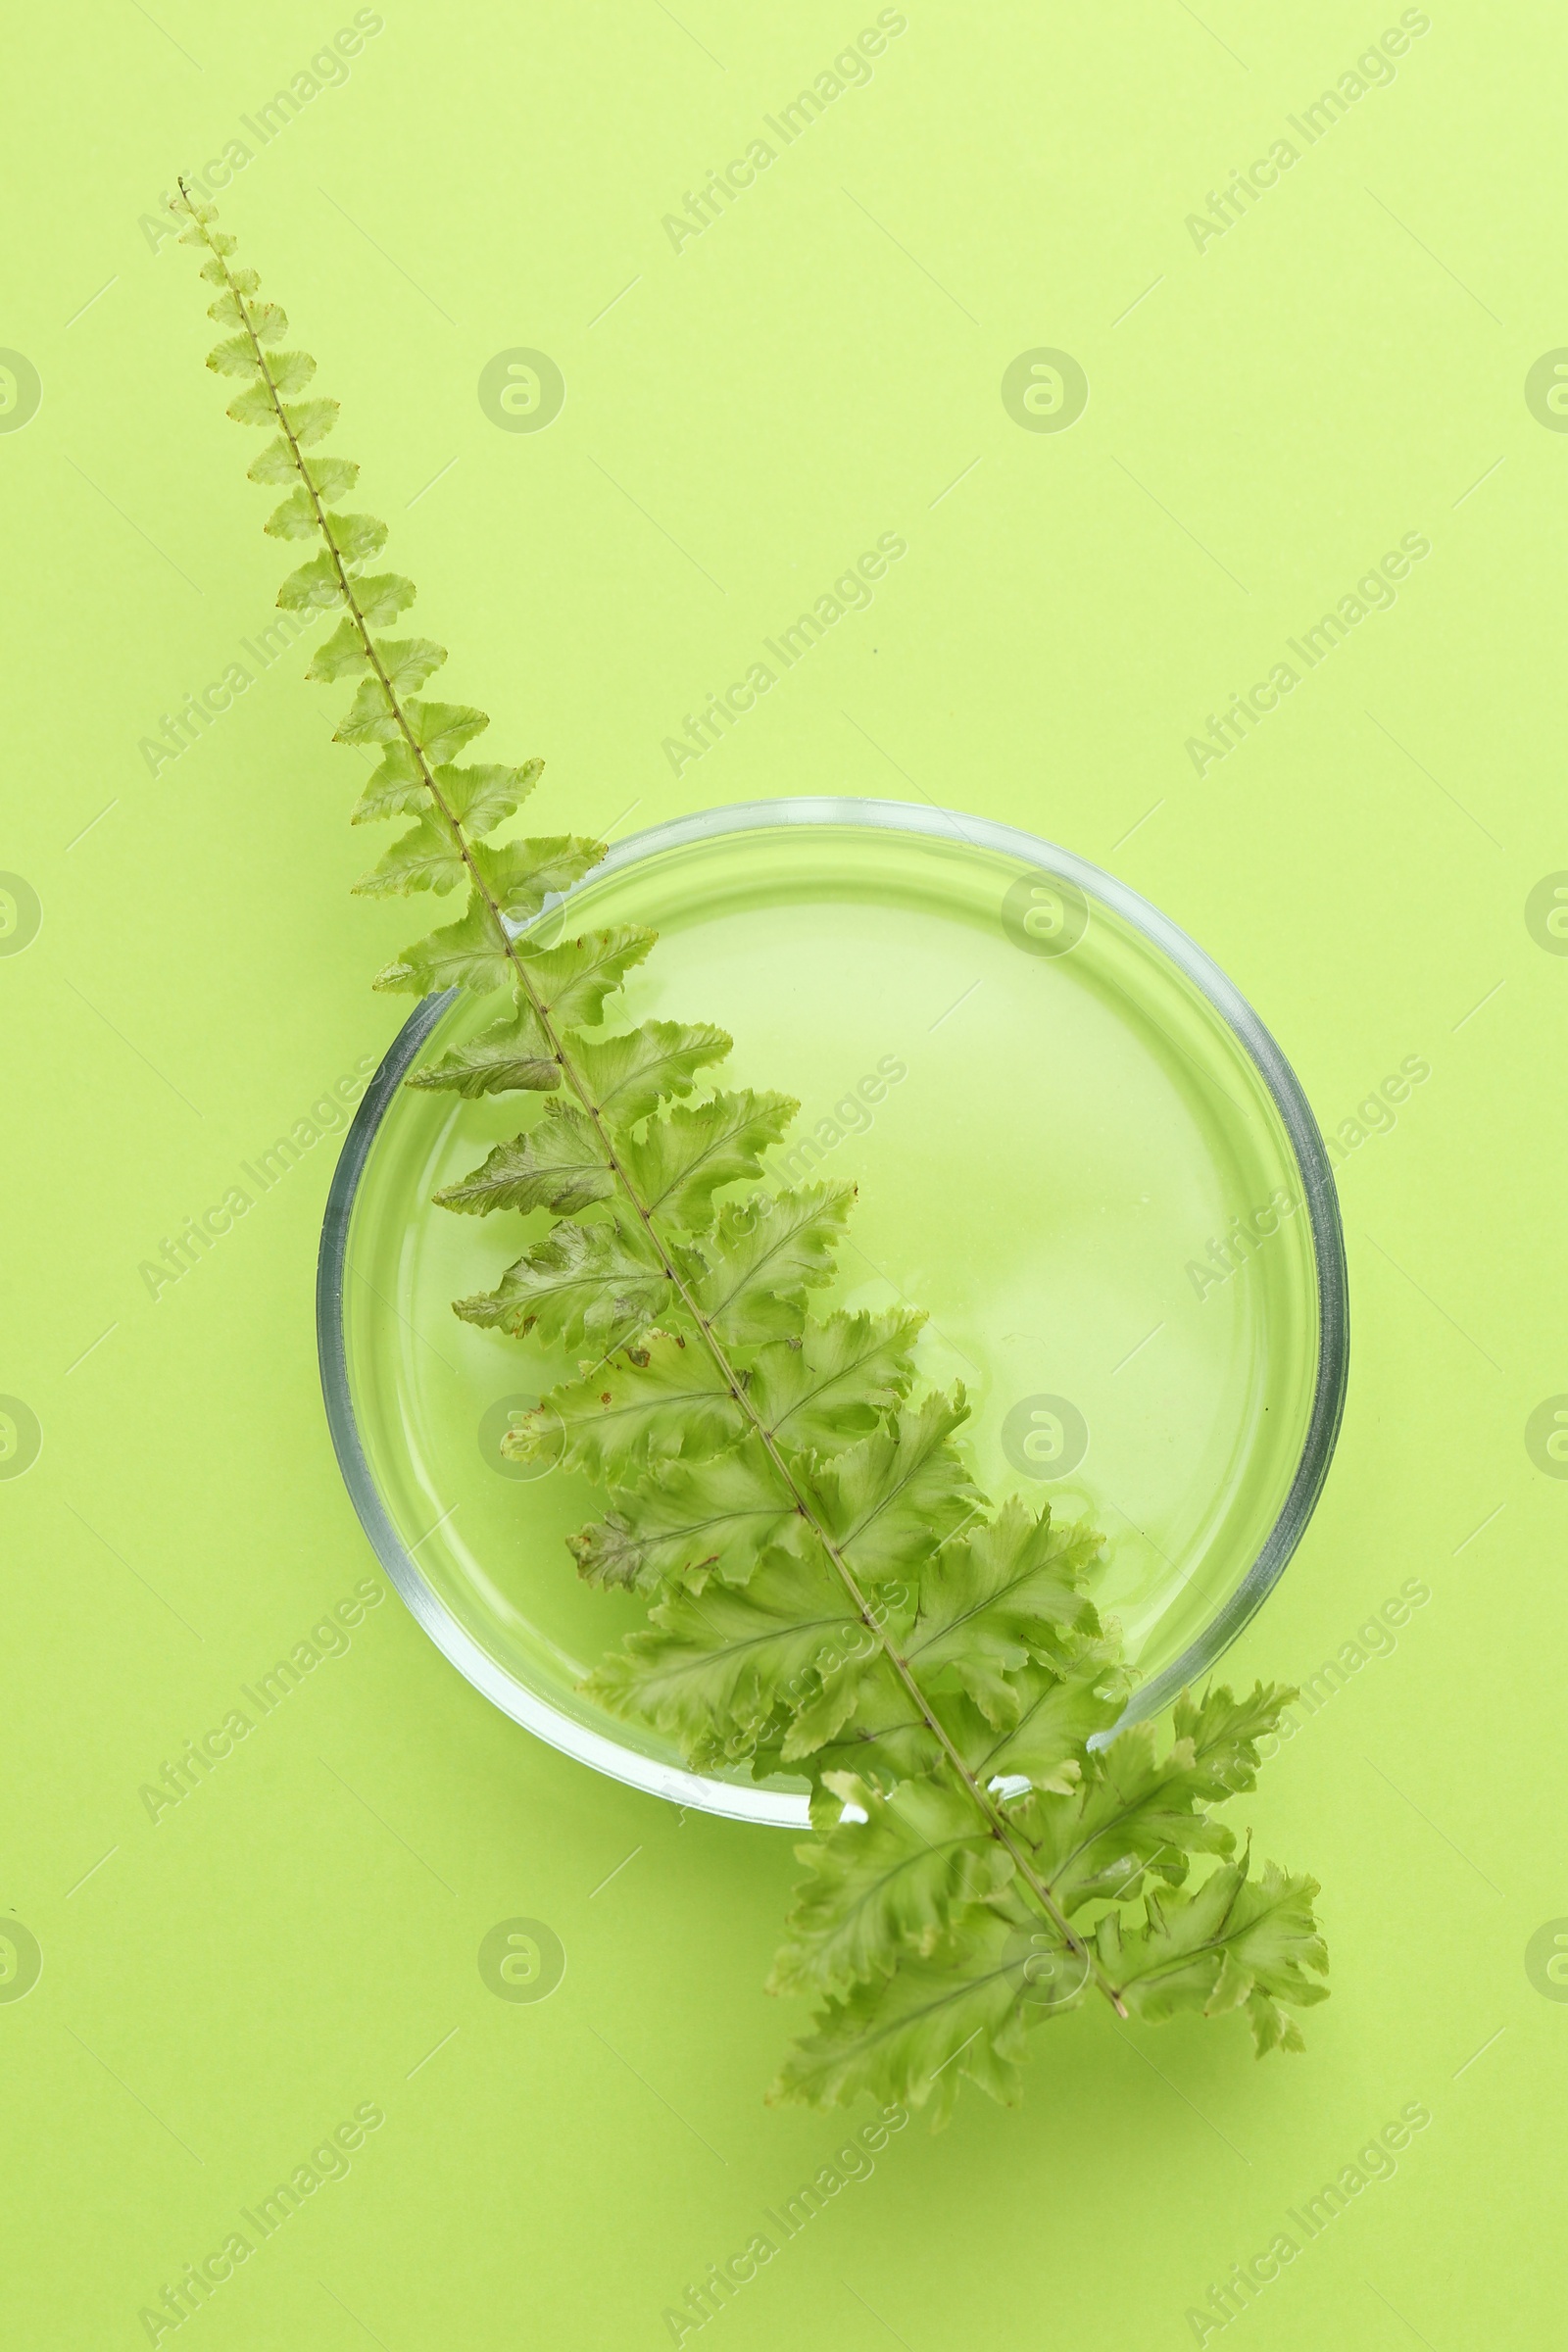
point(991, 1812)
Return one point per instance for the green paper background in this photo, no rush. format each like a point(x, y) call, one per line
point(1267, 414)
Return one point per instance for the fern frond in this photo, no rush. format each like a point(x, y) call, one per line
point(829, 1591)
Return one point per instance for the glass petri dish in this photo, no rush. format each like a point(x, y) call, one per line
point(1076, 1147)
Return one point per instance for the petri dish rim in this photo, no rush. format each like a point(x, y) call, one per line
point(760, 1805)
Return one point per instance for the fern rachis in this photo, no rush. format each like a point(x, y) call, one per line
point(828, 1591)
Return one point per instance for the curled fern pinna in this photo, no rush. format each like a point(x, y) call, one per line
point(828, 1592)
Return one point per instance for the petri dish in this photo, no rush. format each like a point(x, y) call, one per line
point(1075, 1146)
